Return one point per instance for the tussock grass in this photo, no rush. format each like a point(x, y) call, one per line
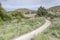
point(17, 28)
point(52, 33)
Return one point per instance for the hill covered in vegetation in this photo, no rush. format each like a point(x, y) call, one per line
point(24, 11)
point(19, 24)
point(14, 23)
point(55, 9)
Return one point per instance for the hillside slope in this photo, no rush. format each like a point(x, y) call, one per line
point(55, 9)
point(24, 11)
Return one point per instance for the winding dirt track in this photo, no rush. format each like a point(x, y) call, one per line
point(29, 35)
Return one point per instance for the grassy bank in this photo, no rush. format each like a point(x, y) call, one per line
point(9, 30)
point(52, 33)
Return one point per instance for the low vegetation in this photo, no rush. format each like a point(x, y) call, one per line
point(14, 24)
point(52, 33)
point(18, 28)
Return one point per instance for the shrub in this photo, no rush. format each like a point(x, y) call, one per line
point(41, 11)
point(3, 14)
point(17, 15)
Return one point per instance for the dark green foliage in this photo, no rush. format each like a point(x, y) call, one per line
point(41, 11)
point(51, 16)
point(3, 14)
point(1, 21)
point(2, 11)
point(17, 15)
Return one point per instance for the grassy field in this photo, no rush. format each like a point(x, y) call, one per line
point(9, 30)
point(52, 33)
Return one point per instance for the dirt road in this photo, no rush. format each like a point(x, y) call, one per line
point(29, 35)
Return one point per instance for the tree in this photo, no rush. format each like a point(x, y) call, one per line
point(3, 14)
point(41, 11)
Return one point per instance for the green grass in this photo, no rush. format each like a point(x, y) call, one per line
point(51, 33)
point(40, 37)
point(10, 30)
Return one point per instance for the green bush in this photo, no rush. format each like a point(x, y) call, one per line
point(41, 11)
point(17, 15)
point(3, 14)
point(1, 21)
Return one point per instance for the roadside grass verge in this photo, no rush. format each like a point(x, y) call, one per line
point(51, 33)
point(16, 28)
